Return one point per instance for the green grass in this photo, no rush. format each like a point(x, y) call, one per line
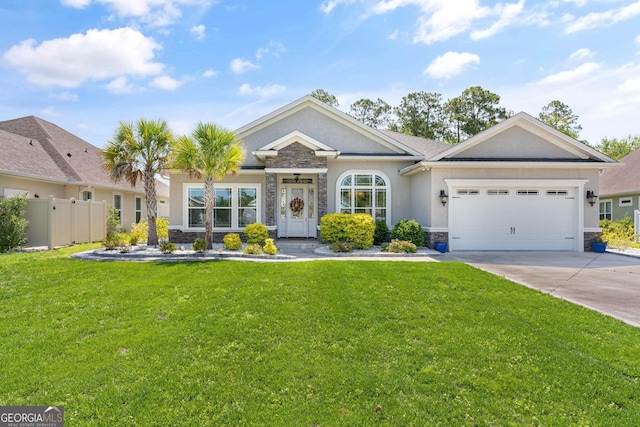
point(318, 343)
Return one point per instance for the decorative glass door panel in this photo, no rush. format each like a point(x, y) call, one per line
point(297, 210)
point(297, 224)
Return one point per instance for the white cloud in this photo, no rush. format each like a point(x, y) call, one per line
point(638, 40)
point(165, 83)
point(508, 13)
point(98, 55)
point(571, 75)
point(450, 64)
point(581, 54)
point(157, 13)
point(328, 5)
point(273, 48)
point(199, 31)
point(120, 85)
point(210, 73)
point(65, 97)
point(261, 91)
point(50, 112)
point(240, 66)
point(604, 19)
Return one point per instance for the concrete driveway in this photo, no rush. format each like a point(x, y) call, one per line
point(608, 283)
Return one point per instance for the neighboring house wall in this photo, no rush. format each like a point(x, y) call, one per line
point(623, 205)
point(41, 188)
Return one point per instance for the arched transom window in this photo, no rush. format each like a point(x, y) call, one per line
point(364, 192)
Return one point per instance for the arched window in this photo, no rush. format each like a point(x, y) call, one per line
point(364, 192)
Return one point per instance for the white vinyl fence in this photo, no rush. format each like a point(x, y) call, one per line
point(60, 222)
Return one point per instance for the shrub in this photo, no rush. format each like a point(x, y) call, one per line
point(232, 241)
point(199, 245)
point(381, 233)
point(400, 246)
point(168, 247)
point(140, 230)
point(619, 232)
point(408, 230)
point(162, 228)
point(133, 239)
point(256, 233)
point(270, 247)
point(113, 222)
point(252, 249)
point(341, 246)
point(115, 241)
point(13, 225)
point(357, 229)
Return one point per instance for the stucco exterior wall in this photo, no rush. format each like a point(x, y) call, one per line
point(42, 189)
point(619, 212)
point(516, 143)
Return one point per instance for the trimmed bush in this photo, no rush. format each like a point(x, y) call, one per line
point(13, 224)
point(408, 230)
point(168, 248)
point(357, 229)
point(141, 229)
point(162, 228)
point(381, 234)
point(199, 245)
point(232, 241)
point(115, 241)
point(618, 233)
point(270, 247)
point(252, 249)
point(256, 233)
point(400, 246)
point(341, 247)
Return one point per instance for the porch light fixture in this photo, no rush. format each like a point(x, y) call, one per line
point(443, 197)
point(296, 177)
point(592, 197)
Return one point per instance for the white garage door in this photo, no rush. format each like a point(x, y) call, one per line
point(513, 218)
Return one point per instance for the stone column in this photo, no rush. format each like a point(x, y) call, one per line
point(271, 197)
point(322, 195)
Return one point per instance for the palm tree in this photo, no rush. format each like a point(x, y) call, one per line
point(139, 152)
point(210, 153)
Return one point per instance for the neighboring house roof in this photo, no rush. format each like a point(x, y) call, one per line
point(162, 189)
point(622, 180)
point(35, 148)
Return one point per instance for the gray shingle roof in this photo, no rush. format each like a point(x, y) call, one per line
point(33, 146)
point(622, 180)
point(428, 147)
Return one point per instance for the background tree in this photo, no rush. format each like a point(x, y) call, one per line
point(619, 148)
point(139, 152)
point(325, 97)
point(558, 115)
point(211, 152)
point(421, 114)
point(376, 114)
point(475, 110)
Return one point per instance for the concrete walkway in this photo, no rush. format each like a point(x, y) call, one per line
point(608, 283)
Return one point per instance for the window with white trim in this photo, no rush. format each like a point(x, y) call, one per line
point(13, 192)
point(138, 209)
point(557, 192)
point(467, 192)
point(605, 209)
point(86, 195)
point(117, 205)
point(235, 206)
point(527, 192)
point(364, 192)
point(497, 192)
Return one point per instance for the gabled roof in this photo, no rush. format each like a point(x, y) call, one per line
point(427, 147)
point(35, 148)
point(622, 180)
point(309, 101)
point(573, 148)
point(272, 148)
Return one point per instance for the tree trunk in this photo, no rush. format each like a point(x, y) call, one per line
point(151, 202)
point(209, 198)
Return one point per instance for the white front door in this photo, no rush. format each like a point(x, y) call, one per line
point(297, 211)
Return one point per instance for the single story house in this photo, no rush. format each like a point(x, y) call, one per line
point(41, 160)
point(520, 185)
point(620, 189)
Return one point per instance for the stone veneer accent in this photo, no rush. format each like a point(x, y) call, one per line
point(177, 236)
point(431, 237)
point(294, 156)
point(271, 199)
point(588, 238)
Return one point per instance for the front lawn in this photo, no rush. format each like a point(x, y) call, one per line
point(319, 343)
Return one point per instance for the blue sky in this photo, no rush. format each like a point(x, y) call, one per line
point(87, 64)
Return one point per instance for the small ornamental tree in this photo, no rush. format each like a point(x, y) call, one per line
point(13, 224)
